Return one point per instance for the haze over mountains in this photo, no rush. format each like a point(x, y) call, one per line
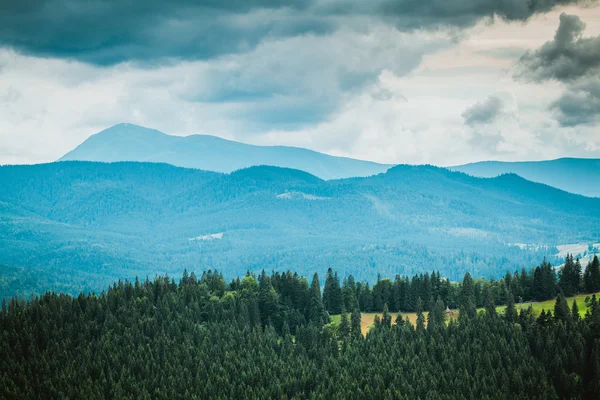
point(129, 142)
point(84, 224)
point(575, 175)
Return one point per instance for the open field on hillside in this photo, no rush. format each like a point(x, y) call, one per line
point(367, 319)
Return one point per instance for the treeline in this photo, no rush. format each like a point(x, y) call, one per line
point(269, 336)
point(401, 294)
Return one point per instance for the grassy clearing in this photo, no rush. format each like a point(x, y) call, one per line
point(367, 319)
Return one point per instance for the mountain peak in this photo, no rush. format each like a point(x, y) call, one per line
point(126, 128)
point(130, 142)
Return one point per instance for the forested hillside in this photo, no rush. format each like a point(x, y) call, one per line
point(575, 175)
point(269, 336)
point(78, 225)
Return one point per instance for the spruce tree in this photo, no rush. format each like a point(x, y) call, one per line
point(575, 311)
point(437, 316)
point(349, 293)
point(490, 307)
point(588, 284)
point(561, 309)
point(399, 320)
point(386, 319)
point(595, 274)
point(569, 276)
point(510, 314)
point(355, 323)
point(344, 329)
point(420, 316)
point(327, 291)
point(316, 311)
point(467, 307)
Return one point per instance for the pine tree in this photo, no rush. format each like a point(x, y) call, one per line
point(327, 295)
point(575, 311)
point(569, 276)
point(386, 320)
point(377, 321)
point(268, 299)
point(467, 307)
point(420, 316)
point(399, 320)
point(355, 323)
point(437, 316)
point(490, 307)
point(510, 314)
point(344, 329)
point(595, 274)
point(561, 309)
point(349, 293)
point(587, 279)
point(316, 311)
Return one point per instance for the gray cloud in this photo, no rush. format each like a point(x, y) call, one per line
point(579, 104)
point(104, 32)
point(574, 60)
point(485, 111)
point(464, 13)
point(568, 57)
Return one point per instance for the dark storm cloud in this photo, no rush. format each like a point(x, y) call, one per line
point(485, 111)
point(110, 31)
point(574, 60)
point(579, 104)
point(465, 13)
point(566, 58)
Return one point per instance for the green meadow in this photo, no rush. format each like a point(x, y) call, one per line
point(367, 319)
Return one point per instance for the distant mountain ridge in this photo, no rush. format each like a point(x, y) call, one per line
point(575, 175)
point(89, 223)
point(129, 142)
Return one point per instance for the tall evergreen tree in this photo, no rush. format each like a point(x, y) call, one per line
point(349, 293)
point(332, 293)
point(561, 309)
point(569, 276)
point(355, 323)
point(591, 276)
point(575, 311)
point(344, 329)
point(316, 311)
point(420, 316)
point(467, 306)
point(386, 318)
point(268, 299)
point(490, 307)
point(437, 316)
point(510, 314)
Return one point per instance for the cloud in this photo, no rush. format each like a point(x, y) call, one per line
point(566, 58)
point(106, 32)
point(573, 60)
point(487, 110)
point(579, 104)
point(364, 85)
point(292, 82)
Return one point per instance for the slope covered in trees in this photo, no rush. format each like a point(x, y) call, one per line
point(575, 175)
point(268, 337)
point(87, 224)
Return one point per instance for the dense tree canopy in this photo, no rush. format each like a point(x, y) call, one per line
point(269, 337)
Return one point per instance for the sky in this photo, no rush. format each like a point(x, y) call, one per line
point(393, 81)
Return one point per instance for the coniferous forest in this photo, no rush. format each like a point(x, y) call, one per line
point(270, 336)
